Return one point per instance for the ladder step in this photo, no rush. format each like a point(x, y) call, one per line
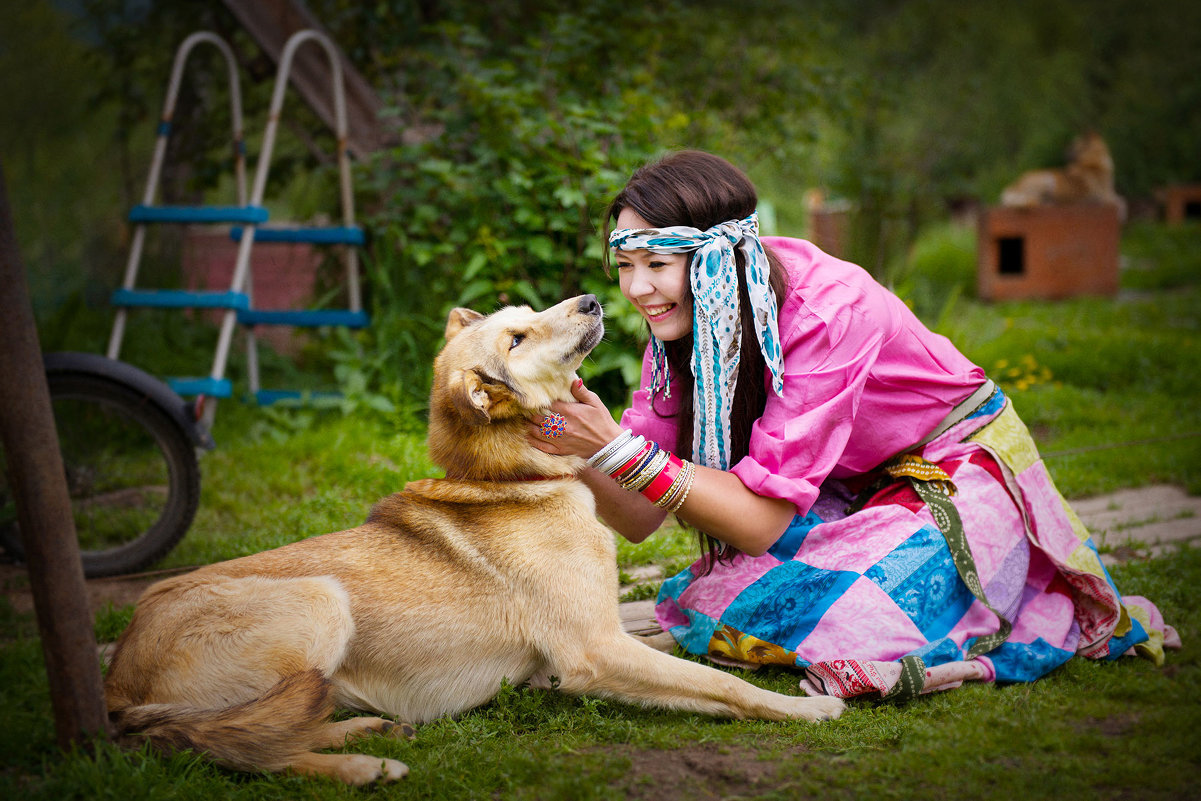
point(310, 318)
point(180, 299)
point(269, 397)
point(343, 235)
point(198, 214)
point(211, 387)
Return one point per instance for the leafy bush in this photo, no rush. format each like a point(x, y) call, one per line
point(504, 205)
point(940, 268)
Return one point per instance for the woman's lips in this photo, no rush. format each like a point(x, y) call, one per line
point(659, 311)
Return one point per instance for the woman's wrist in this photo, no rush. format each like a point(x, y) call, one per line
point(641, 466)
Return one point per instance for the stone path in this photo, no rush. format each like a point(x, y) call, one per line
point(1141, 523)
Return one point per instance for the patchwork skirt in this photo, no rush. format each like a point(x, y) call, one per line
point(962, 562)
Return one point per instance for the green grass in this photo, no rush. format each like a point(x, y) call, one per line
point(1108, 389)
point(1109, 730)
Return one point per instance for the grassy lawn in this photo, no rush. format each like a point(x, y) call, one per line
point(1107, 387)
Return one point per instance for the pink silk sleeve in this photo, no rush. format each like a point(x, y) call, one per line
point(802, 435)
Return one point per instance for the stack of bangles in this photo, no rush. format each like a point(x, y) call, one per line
point(641, 466)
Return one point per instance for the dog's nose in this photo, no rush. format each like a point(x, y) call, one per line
point(589, 305)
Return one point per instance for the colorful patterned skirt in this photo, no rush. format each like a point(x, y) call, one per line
point(960, 561)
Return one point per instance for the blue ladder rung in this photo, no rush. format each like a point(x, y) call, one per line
point(180, 299)
point(212, 387)
point(305, 318)
point(198, 214)
point(344, 235)
point(268, 397)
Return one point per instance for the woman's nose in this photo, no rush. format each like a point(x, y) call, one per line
point(640, 284)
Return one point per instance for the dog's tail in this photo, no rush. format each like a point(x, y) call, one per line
point(264, 734)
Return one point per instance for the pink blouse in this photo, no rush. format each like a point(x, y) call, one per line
point(863, 381)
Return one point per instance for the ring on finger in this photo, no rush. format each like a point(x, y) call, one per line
point(553, 425)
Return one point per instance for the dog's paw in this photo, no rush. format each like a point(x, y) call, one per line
point(400, 731)
point(361, 769)
point(819, 708)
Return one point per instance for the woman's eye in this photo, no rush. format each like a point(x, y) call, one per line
point(517, 340)
point(624, 265)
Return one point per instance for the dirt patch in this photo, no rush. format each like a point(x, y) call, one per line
point(695, 773)
point(1112, 726)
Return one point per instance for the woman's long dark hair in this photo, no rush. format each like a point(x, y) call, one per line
point(700, 190)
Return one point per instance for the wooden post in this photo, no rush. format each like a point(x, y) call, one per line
point(39, 487)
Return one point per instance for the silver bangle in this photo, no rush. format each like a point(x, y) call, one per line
point(622, 454)
point(608, 449)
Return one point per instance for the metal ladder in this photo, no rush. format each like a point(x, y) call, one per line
point(237, 301)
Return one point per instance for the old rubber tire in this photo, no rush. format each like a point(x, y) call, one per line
point(113, 435)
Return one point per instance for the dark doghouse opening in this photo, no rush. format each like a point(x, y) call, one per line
point(1192, 210)
point(1011, 255)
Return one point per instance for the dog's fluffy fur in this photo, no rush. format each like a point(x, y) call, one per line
point(498, 571)
point(1087, 178)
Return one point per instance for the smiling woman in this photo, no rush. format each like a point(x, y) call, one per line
point(656, 284)
point(874, 510)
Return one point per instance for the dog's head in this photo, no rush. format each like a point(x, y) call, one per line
point(497, 370)
point(1088, 150)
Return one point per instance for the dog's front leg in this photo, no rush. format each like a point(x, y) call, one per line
point(621, 667)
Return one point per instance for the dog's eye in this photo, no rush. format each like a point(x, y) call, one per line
point(517, 340)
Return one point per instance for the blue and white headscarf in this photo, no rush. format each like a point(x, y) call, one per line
point(716, 323)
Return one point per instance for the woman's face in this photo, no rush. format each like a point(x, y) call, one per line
point(656, 283)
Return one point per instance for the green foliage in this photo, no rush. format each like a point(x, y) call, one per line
point(1160, 257)
point(503, 206)
point(1106, 386)
point(940, 269)
point(953, 101)
point(111, 621)
point(61, 177)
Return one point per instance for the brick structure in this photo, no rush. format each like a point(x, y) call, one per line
point(1048, 252)
point(1182, 203)
point(285, 276)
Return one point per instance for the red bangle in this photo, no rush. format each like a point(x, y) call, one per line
point(620, 473)
point(661, 483)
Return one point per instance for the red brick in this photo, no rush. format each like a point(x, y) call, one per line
point(1048, 252)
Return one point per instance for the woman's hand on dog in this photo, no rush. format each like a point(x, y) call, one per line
point(589, 425)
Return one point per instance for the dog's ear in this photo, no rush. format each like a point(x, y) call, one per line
point(458, 320)
point(470, 397)
point(480, 397)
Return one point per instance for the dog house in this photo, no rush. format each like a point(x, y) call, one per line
point(1182, 203)
point(1048, 252)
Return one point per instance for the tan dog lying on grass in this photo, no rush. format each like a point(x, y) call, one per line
point(1087, 178)
point(498, 571)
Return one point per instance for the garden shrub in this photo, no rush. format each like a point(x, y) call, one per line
point(504, 205)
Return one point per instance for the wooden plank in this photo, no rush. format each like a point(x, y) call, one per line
point(271, 22)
